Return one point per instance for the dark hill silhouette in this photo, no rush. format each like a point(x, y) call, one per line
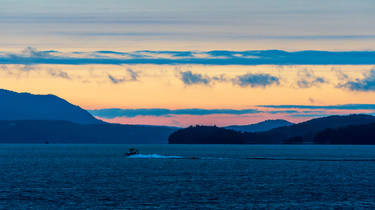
point(298, 133)
point(355, 134)
point(41, 131)
point(206, 135)
point(305, 131)
point(26, 106)
point(261, 126)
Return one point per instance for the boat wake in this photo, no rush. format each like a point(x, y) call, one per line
point(154, 156)
point(312, 159)
point(157, 156)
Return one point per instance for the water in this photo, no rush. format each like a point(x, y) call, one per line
point(187, 176)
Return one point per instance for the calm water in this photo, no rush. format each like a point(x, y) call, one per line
point(197, 176)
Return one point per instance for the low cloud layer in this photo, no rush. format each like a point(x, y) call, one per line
point(251, 57)
point(286, 110)
point(113, 113)
point(342, 107)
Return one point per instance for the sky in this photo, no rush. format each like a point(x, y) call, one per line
point(180, 63)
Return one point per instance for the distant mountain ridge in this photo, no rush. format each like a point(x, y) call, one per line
point(305, 132)
point(26, 106)
point(261, 126)
point(64, 132)
point(29, 118)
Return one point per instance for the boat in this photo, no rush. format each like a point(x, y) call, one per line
point(131, 152)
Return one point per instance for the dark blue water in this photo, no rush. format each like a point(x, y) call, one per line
point(196, 176)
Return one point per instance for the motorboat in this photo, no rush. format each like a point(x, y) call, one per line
point(132, 151)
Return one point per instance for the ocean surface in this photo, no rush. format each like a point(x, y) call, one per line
point(187, 177)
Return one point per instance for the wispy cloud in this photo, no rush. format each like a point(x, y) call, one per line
point(256, 80)
point(115, 80)
point(307, 79)
point(365, 84)
point(59, 74)
point(254, 57)
point(132, 76)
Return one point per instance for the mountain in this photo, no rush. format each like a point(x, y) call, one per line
point(28, 118)
point(305, 131)
point(206, 135)
point(261, 126)
point(298, 133)
point(354, 134)
point(52, 131)
point(26, 106)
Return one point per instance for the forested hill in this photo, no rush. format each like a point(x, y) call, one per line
point(293, 134)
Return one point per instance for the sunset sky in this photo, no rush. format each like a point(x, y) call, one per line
point(180, 63)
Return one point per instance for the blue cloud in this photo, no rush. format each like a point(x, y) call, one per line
point(283, 111)
point(34, 53)
point(365, 84)
point(111, 52)
point(340, 107)
point(294, 112)
point(256, 80)
point(172, 53)
point(309, 115)
point(254, 57)
point(189, 78)
point(113, 113)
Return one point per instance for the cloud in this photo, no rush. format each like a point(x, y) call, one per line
point(365, 84)
point(318, 37)
point(309, 115)
point(189, 78)
point(220, 78)
point(59, 73)
point(4, 67)
point(132, 76)
point(34, 53)
point(340, 107)
point(294, 111)
point(113, 113)
point(115, 80)
point(340, 74)
point(251, 57)
point(307, 79)
point(256, 80)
